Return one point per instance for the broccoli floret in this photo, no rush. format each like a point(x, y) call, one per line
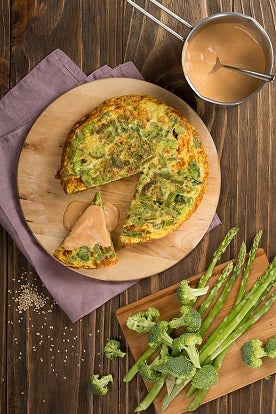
point(148, 372)
point(252, 353)
point(143, 321)
point(187, 342)
point(180, 368)
point(270, 348)
point(158, 368)
point(162, 364)
point(205, 377)
point(112, 349)
point(158, 335)
point(188, 295)
point(98, 385)
point(189, 317)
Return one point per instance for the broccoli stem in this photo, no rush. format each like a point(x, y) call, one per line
point(200, 394)
point(227, 289)
point(168, 398)
point(151, 395)
point(217, 255)
point(147, 354)
point(241, 329)
point(248, 267)
point(134, 369)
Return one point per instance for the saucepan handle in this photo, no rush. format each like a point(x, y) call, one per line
point(150, 16)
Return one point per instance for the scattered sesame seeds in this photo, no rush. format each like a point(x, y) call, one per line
point(50, 347)
point(29, 297)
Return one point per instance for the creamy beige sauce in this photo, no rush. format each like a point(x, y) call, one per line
point(112, 215)
point(88, 230)
point(77, 207)
point(73, 211)
point(234, 46)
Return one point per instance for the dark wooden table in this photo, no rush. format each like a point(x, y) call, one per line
point(46, 360)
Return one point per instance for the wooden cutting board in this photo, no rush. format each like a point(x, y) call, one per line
point(234, 374)
point(43, 201)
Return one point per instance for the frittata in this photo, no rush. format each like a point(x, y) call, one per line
point(134, 134)
point(88, 245)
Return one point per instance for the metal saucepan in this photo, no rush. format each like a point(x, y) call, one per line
point(247, 23)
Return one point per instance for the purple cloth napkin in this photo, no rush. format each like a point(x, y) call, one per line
point(56, 74)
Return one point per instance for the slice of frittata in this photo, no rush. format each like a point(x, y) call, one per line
point(88, 245)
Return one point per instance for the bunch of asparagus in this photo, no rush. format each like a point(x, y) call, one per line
point(250, 305)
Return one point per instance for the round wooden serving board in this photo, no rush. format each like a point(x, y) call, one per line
point(43, 201)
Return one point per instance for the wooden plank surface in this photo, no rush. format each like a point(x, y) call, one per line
point(233, 374)
point(37, 377)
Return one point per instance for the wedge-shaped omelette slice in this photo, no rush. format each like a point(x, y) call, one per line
point(88, 245)
point(139, 134)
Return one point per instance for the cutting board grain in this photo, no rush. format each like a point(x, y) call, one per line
point(43, 201)
point(233, 374)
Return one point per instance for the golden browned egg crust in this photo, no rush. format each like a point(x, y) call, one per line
point(134, 134)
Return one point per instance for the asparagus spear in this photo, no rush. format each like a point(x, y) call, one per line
point(217, 255)
point(151, 395)
point(247, 299)
point(238, 313)
point(251, 320)
point(248, 267)
point(219, 303)
point(214, 291)
point(227, 289)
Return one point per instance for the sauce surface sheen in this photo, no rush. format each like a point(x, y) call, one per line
point(235, 47)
